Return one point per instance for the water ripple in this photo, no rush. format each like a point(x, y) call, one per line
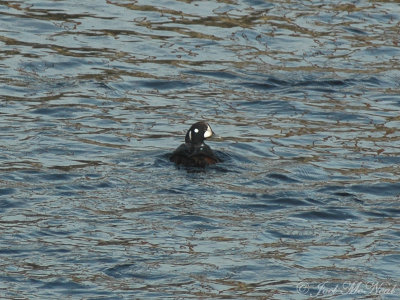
point(304, 100)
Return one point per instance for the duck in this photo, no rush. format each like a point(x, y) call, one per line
point(194, 152)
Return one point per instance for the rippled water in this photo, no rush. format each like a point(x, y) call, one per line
point(304, 98)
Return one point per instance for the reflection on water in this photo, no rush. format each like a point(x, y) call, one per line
point(304, 99)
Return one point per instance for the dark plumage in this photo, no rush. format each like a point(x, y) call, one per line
point(194, 152)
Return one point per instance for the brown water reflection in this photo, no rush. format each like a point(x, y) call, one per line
point(303, 96)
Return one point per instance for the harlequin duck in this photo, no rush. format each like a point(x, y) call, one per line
point(194, 153)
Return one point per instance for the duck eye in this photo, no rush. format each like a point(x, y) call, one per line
point(196, 130)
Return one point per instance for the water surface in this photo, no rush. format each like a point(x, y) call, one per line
point(304, 98)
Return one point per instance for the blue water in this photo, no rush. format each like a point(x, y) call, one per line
point(304, 99)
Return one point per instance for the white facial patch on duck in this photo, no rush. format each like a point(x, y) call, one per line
point(196, 130)
point(208, 132)
point(190, 135)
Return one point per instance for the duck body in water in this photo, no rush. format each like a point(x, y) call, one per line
point(194, 152)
